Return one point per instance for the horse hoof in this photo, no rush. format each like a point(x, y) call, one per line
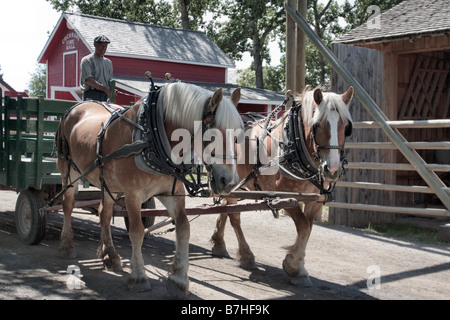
point(248, 264)
point(296, 277)
point(220, 252)
point(139, 285)
point(246, 261)
point(177, 291)
point(113, 265)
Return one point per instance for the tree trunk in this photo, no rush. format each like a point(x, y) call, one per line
point(257, 59)
point(185, 14)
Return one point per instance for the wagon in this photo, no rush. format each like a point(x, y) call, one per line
point(28, 166)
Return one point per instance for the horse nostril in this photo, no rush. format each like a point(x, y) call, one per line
point(223, 181)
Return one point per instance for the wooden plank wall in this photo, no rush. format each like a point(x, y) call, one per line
point(366, 66)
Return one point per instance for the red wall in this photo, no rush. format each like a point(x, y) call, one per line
point(65, 40)
point(133, 67)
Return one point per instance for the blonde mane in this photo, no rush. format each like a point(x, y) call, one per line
point(184, 104)
point(331, 101)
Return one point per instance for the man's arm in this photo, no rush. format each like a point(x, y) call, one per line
point(96, 85)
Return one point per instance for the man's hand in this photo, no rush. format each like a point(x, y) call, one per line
point(96, 85)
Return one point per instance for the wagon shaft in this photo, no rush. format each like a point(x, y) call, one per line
point(206, 209)
point(259, 195)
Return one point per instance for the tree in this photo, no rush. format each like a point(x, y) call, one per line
point(38, 82)
point(274, 77)
point(159, 12)
point(248, 26)
point(193, 12)
point(186, 14)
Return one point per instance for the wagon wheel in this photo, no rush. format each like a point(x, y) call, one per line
point(31, 220)
point(146, 221)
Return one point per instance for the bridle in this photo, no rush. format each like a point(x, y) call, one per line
point(208, 122)
point(317, 155)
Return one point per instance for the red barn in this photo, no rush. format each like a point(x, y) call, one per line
point(135, 48)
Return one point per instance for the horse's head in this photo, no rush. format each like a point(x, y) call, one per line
point(221, 125)
point(329, 123)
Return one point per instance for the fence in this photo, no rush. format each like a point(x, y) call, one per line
point(396, 142)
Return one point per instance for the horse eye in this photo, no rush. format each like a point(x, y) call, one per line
point(348, 129)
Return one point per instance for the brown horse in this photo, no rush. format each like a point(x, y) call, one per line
point(324, 121)
point(184, 106)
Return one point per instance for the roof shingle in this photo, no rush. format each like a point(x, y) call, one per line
point(407, 19)
point(150, 41)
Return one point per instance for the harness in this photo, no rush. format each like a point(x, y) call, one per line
point(150, 146)
point(294, 160)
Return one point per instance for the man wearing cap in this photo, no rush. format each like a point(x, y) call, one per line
point(96, 72)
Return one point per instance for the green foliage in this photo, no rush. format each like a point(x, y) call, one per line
point(146, 11)
point(248, 27)
point(38, 82)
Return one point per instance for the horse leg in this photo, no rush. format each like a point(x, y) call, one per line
point(244, 254)
point(294, 262)
point(138, 280)
point(66, 246)
point(219, 248)
point(178, 282)
point(106, 250)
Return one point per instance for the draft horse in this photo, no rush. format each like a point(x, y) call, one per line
point(82, 152)
point(321, 122)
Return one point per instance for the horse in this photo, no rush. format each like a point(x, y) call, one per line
point(183, 106)
point(325, 122)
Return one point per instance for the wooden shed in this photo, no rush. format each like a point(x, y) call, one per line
point(402, 59)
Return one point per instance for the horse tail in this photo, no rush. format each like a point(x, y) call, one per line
point(62, 146)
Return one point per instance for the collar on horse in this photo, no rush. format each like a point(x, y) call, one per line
point(298, 163)
point(155, 153)
point(294, 161)
point(151, 147)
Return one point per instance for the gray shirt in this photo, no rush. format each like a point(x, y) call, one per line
point(100, 69)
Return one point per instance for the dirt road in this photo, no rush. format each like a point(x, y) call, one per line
point(340, 261)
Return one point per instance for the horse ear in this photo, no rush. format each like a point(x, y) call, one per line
point(348, 95)
point(318, 97)
point(216, 98)
point(236, 96)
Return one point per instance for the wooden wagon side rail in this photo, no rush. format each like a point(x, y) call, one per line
point(29, 126)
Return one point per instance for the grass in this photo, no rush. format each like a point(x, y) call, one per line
point(408, 232)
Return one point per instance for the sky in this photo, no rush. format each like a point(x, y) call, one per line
point(25, 26)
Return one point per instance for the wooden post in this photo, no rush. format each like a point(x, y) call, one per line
point(301, 50)
point(295, 49)
point(290, 48)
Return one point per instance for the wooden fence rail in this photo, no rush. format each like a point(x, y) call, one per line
point(444, 145)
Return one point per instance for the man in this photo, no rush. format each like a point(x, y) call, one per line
point(96, 72)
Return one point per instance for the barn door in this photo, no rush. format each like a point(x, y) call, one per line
point(70, 69)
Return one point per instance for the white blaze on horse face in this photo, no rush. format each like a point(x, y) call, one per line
point(333, 160)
